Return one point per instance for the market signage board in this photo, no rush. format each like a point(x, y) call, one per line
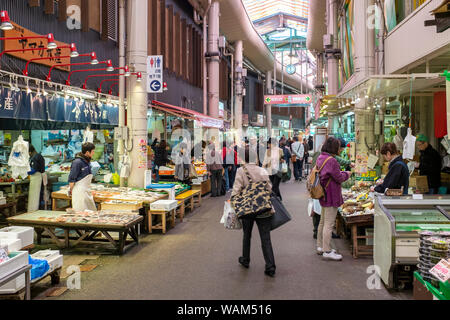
point(293, 99)
point(39, 44)
point(29, 106)
point(155, 69)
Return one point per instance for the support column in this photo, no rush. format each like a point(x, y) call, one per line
point(137, 92)
point(122, 31)
point(238, 57)
point(364, 42)
point(333, 63)
point(269, 107)
point(214, 60)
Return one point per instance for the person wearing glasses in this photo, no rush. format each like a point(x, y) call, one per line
point(430, 163)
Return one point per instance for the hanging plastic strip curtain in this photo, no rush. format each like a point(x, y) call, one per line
point(390, 14)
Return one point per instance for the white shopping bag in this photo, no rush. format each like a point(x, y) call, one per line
point(229, 218)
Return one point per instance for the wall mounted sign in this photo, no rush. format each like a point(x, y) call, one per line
point(39, 44)
point(155, 74)
point(295, 99)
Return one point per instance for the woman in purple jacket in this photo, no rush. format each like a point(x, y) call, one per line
point(331, 178)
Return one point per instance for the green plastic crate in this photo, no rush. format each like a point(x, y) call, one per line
point(445, 289)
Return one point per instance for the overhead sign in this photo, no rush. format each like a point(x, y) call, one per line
point(155, 74)
point(299, 99)
point(39, 44)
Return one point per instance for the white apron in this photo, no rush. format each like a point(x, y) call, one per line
point(82, 198)
point(34, 192)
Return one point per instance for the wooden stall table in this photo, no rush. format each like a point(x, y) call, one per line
point(190, 196)
point(204, 187)
point(86, 230)
point(10, 208)
point(181, 208)
point(163, 225)
point(355, 222)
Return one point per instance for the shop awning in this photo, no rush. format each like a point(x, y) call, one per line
point(205, 121)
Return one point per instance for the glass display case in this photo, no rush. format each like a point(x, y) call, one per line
point(398, 221)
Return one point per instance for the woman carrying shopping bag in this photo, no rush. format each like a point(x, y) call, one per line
point(251, 173)
point(331, 178)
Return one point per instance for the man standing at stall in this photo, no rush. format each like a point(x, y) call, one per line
point(36, 194)
point(430, 163)
point(80, 178)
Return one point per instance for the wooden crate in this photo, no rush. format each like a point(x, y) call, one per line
point(132, 206)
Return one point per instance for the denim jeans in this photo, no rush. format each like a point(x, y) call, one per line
point(264, 225)
point(297, 169)
point(229, 176)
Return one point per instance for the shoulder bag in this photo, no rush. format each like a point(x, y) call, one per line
point(253, 200)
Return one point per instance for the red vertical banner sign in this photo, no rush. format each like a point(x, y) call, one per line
point(440, 114)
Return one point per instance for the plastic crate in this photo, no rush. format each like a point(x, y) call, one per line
point(17, 260)
point(11, 245)
point(56, 186)
point(445, 289)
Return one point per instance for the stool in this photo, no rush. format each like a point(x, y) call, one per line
point(163, 214)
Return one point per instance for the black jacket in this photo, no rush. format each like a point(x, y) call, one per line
point(80, 168)
point(397, 177)
point(430, 166)
point(37, 163)
point(160, 154)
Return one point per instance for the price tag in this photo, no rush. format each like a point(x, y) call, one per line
point(417, 196)
point(441, 270)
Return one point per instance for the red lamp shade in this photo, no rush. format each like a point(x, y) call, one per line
point(139, 77)
point(127, 71)
point(109, 66)
point(6, 24)
point(164, 86)
point(94, 58)
point(51, 44)
point(73, 50)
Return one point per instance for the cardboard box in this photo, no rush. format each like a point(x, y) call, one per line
point(420, 292)
point(420, 183)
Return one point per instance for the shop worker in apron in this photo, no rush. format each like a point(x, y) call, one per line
point(37, 178)
point(80, 178)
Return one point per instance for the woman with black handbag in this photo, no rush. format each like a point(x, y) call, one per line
point(251, 173)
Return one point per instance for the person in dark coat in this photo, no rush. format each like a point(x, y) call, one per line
point(398, 175)
point(430, 163)
point(161, 157)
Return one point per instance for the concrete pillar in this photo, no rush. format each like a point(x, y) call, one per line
point(238, 57)
point(122, 31)
point(214, 61)
point(364, 42)
point(333, 63)
point(269, 107)
point(137, 92)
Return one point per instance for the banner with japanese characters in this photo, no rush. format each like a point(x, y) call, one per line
point(30, 106)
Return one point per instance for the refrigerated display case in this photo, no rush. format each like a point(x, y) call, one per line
point(398, 221)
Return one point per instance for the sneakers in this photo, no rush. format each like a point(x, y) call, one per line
point(319, 251)
point(332, 255)
point(270, 273)
point(243, 262)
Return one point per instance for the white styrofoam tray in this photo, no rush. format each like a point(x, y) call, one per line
point(17, 260)
point(164, 205)
point(26, 234)
point(11, 245)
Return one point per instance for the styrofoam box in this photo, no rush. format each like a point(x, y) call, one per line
point(53, 257)
point(18, 260)
point(26, 234)
point(2, 201)
point(166, 205)
point(11, 245)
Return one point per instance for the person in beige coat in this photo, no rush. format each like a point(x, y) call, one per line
point(272, 162)
point(263, 221)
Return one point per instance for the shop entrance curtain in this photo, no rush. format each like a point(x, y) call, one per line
point(440, 115)
point(390, 14)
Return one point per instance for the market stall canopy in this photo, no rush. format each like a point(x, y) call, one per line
point(381, 86)
point(205, 121)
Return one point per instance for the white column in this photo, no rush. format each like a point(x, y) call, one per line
point(332, 8)
point(214, 61)
point(269, 107)
point(122, 31)
point(364, 42)
point(137, 92)
point(238, 57)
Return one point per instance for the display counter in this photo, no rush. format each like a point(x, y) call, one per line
point(398, 221)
